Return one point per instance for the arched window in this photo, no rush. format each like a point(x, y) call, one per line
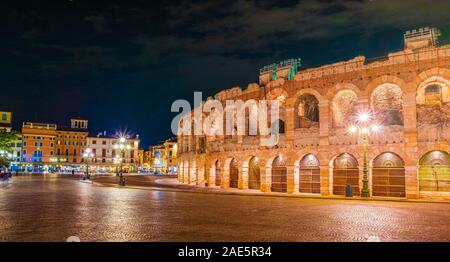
point(343, 107)
point(280, 124)
point(306, 111)
point(433, 94)
point(386, 102)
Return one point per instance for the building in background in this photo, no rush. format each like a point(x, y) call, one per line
point(141, 159)
point(5, 121)
point(104, 153)
point(45, 147)
point(38, 146)
point(147, 160)
point(70, 142)
point(14, 155)
point(163, 157)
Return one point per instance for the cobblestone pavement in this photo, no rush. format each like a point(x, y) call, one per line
point(52, 209)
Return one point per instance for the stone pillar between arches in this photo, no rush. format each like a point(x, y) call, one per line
point(411, 182)
point(325, 185)
point(290, 179)
point(243, 177)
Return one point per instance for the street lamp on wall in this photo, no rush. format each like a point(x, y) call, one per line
point(363, 127)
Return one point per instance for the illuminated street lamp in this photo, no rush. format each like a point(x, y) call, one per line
point(363, 127)
point(121, 146)
point(87, 155)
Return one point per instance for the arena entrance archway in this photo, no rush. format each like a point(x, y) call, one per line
point(388, 176)
point(218, 173)
point(279, 175)
point(309, 175)
point(345, 172)
point(254, 174)
point(434, 172)
point(234, 174)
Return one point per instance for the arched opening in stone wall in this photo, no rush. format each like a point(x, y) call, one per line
point(281, 127)
point(386, 102)
point(309, 175)
point(433, 94)
point(234, 174)
point(230, 122)
point(218, 172)
point(279, 175)
point(343, 107)
point(388, 176)
point(254, 174)
point(306, 112)
point(281, 96)
point(434, 172)
point(433, 105)
point(251, 120)
point(345, 172)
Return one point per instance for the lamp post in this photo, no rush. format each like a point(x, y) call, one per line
point(363, 127)
point(122, 146)
point(87, 155)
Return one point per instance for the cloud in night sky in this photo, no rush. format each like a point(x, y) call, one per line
point(121, 64)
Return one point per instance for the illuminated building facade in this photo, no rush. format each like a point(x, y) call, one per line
point(70, 142)
point(102, 148)
point(164, 157)
point(16, 146)
point(38, 145)
point(408, 93)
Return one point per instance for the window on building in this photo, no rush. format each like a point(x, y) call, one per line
point(24, 143)
point(104, 142)
point(41, 144)
point(103, 152)
point(4, 117)
point(74, 152)
point(433, 89)
point(94, 142)
point(67, 152)
point(51, 153)
point(51, 144)
point(24, 152)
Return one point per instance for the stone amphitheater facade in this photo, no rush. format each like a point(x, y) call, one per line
point(409, 157)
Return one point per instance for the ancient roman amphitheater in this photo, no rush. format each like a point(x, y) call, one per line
point(408, 93)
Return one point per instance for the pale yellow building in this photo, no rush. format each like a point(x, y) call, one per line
point(163, 157)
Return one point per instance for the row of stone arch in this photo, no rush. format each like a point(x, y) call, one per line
point(381, 91)
point(387, 174)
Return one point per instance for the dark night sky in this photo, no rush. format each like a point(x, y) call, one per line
point(122, 63)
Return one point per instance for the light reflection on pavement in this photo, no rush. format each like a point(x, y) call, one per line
point(53, 209)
